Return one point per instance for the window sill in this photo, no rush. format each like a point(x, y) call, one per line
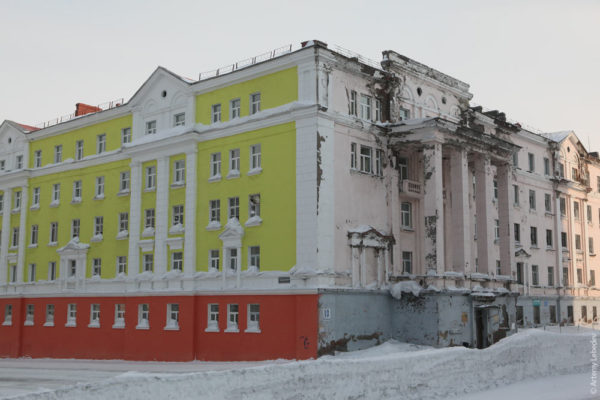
point(120, 325)
point(96, 238)
point(32, 246)
point(148, 232)
point(52, 244)
point(253, 221)
point(15, 211)
point(13, 248)
point(123, 193)
point(94, 325)
point(254, 171)
point(232, 329)
point(407, 228)
point(171, 328)
point(28, 323)
point(212, 329)
point(252, 330)
point(176, 230)
point(55, 204)
point(213, 226)
point(49, 324)
point(549, 248)
point(592, 254)
point(99, 197)
point(76, 200)
point(122, 235)
point(7, 323)
point(34, 207)
point(549, 214)
point(143, 327)
point(534, 247)
point(215, 178)
point(233, 174)
point(177, 185)
point(151, 189)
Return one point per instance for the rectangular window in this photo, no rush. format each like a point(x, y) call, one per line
point(77, 192)
point(8, 315)
point(589, 214)
point(71, 315)
point(55, 193)
point(234, 208)
point(151, 127)
point(19, 162)
point(563, 240)
point(124, 182)
point(177, 215)
point(253, 323)
point(547, 202)
point(215, 165)
point(15, 237)
point(496, 229)
point(233, 255)
point(516, 159)
point(495, 184)
point(531, 162)
point(79, 150)
point(546, 166)
point(2, 165)
point(574, 174)
point(121, 264)
point(254, 259)
point(213, 259)
point(1, 202)
point(94, 316)
point(49, 315)
point(98, 226)
point(379, 162)
point(17, 199)
point(179, 172)
point(212, 324)
point(255, 157)
point(13, 273)
point(119, 316)
point(149, 218)
point(565, 276)
point(179, 119)
point(75, 225)
point(100, 143)
point(143, 316)
point(353, 109)
point(172, 316)
point(57, 154)
point(215, 211)
point(561, 170)
point(353, 155)
point(577, 242)
point(534, 241)
point(563, 206)
point(37, 159)
point(576, 209)
point(34, 235)
point(517, 233)
point(579, 275)
point(125, 135)
point(365, 107)
point(150, 178)
point(234, 107)
point(215, 113)
point(148, 262)
point(592, 281)
point(123, 222)
point(532, 199)
point(99, 187)
point(535, 275)
point(72, 268)
point(550, 276)
point(234, 161)
point(406, 215)
point(378, 111)
point(549, 238)
point(366, 155)
point(254, 103)
point(177, 261)
point(97, 267)
point(53, 232)
point(498, 268)
point(254, 205)
point(232, 317)
point(591, 245)
point(32, 272)
point(29, 314)
point(520, 273)
point(407, 262)
point(52, 271)
point(404, 114)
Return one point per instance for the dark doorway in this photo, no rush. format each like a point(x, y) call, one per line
point(569, 314)
point(480, 328)
point(552, 314)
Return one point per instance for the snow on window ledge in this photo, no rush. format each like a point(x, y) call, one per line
point(143, 324)
point(123, 193)
point(99, 197)
point(7, 323)
point(176, 229)
point(213, 226)
point(122, 235)
point(119, 325)
point(255, 171)
point(253, 329)
point(148, 232)
point(212, 328)
point(76, 200)
point(28, 323)
point(16, 210)
point(49, 324)
point(215, 178)
point(70, 324)
point(172, 326)
point(96, 238)
point(32, 246)
point(234, 173)
point(54, 203)
point(53, 244)
point(94, 324)
point(232, 329)
point(254, 221)
point(35, 207)
point(177, 184)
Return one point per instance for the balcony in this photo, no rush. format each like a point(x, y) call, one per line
point(411, 188)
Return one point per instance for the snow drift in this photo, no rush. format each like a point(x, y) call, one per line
point(421, 374)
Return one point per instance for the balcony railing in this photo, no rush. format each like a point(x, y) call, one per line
point(411, 187)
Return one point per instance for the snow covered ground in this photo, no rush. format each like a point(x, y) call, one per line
point(516, 367)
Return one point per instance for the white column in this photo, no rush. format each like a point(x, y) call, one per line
point(433, 204)
point(162, 216)
point(379, 268)
point(5, 236)
point(362, 268)
point(585, 241)
point(461, 226)
point(22, 232)
point(394, 215)
point(135, 205)
point(189, 247)
point(224, 266)
point(558, 238)
point(238, 271)
point(355, 267)
point(386, 255)
point(507, 244)
point(485, 224)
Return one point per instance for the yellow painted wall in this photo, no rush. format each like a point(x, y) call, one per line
point(276, 236)
point(88, 134)
point(110, 207)
point(275, 89)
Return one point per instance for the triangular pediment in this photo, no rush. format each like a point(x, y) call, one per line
point(233, 230)
point(162, 87)
point(74, 246)
point(522, 253)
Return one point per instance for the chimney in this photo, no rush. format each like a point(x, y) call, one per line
point(82, 109)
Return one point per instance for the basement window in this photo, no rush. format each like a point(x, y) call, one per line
point(232, 318)
point(29, 315)
point(253, 325)
point(7, 315)
point(212, 325)
point(172, 317)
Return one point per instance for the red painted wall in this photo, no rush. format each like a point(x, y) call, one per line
point(288, 323)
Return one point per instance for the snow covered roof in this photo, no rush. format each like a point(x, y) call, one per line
point(557, 136)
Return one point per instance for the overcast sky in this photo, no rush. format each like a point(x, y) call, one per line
point(538, 61)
